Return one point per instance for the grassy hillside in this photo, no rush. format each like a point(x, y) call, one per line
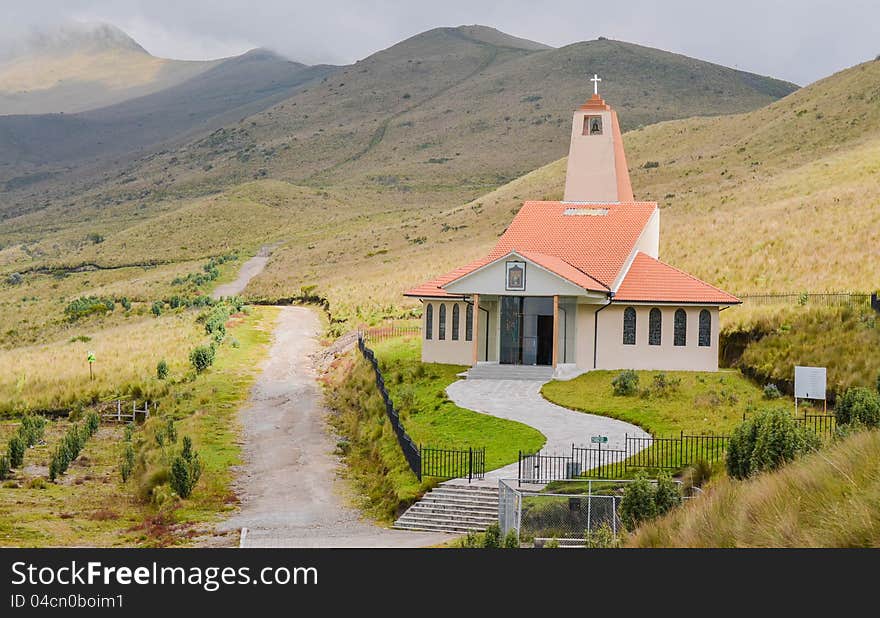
point(827, 499)
point(81, 67)
point(440, 117)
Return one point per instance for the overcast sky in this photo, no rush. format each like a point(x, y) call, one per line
point(797, 40)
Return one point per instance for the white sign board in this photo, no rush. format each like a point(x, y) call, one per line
point(809, 383)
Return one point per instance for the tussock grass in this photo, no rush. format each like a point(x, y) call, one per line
point(56, 375)
point(830, 498)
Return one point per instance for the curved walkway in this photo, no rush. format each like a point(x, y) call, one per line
point(521, 400)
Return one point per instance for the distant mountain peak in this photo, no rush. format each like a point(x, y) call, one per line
point(73, 37)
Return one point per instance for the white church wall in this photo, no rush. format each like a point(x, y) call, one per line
point(585, 329)
point(448, 350)
point(613, 354)
point(491, 280)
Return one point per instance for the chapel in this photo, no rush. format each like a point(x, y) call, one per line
point(577, 284)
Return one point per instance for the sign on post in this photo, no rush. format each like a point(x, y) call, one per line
point(599, 439)
point(809, 383)
point(91, 359)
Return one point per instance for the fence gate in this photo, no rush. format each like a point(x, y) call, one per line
point(467, 463)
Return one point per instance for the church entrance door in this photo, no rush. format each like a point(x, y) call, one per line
point(526, 330)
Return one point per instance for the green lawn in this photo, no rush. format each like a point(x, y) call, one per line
point(702, 403)
point(431, 419)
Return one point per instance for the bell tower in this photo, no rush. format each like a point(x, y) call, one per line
point(597, 170)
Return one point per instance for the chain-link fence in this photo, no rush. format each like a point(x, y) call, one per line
point(566, 511)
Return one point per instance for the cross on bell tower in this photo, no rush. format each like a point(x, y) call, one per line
point(595, 79)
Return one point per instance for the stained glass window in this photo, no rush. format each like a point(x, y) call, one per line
point(429, 321)
point(629, 326)
point(655, 327)
point(705, 328)
point(680, 327)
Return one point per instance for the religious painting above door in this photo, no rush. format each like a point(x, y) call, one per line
point(516, 276)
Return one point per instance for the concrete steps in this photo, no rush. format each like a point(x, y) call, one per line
point(495, 371)
point(454, 508)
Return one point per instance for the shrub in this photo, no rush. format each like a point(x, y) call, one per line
point(492, 537)
point(667, 494)
point(162, 369)
point(638, 503)
point(858, 405)
point(157, 308)
point(126, 304)
point(4, 467)
point(185, 470)
point(771, 391)
point(15, 451)
point(14, 279)
point(626, 383)
point(202, 357)
point(87, 305)
point(126, 467)
point(664, 384)
point(32, 429)
point(93, 423)
point(602, 537)
point(766, 442)
point(511, 540)
point(70, 445)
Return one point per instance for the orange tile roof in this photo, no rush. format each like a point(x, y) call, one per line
point(588, 250)
point(596, 245)
point(650, 280)
point(433, 289)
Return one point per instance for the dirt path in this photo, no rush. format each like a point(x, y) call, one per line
point(249, 270)
point(288, 486)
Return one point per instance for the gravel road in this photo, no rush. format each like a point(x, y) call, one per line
point(289, 490)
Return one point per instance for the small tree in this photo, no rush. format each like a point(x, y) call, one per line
point(126, 467)
point(492, 537)
point(93, 423)
point(186, 469)
point(4, 467)
point(202, 357)
point(626, 383)
point(858, 405)
point(162, 369)
point(667, 494)
point(157, 308)
point(511, 540)
point(15, 451)
point(638, 503)
point(771, 391)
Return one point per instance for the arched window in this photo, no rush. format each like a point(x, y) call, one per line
point(705, 328)
point(469, 323)
point(680, 327)
point(655, 327)
point(441, 334)
point(455, 321)
point(429, 321)
point(629, 326)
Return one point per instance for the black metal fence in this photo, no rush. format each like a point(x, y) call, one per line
point(410, 451)
point(454, 463)
point(674, 452)
point(642, 452)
